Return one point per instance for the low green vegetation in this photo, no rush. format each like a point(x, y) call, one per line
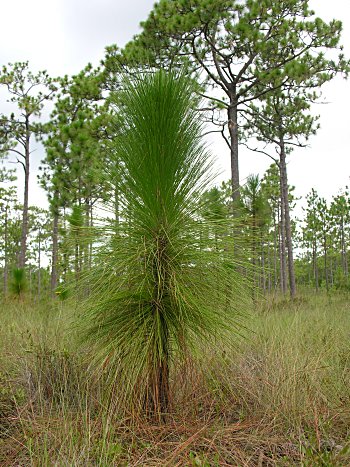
point(281, 398)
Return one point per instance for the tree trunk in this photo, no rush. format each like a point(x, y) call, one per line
point(269, 266)
point(159, 374)
point(275, 236)
point(54, 275)
point(6, 252)
point(331, 274)
point(39, 265)
point(86, 239)
point(232, 115)
point(283, 263)
point(26, 166)
point(314, 258)
point(325, 254)
point(288, 228)
point(343, 248)
point(91, 243)
point(160, 385)
point(254, 252)
point(263, 272)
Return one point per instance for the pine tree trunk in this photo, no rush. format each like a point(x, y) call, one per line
point(6, 252)
point(283, 262)
point(86, 241)
point(269, 266)
point(158, 391)
point(232, 115)
point(39, 265)
point(54, 261)
point(275, 250)
point(331, 274)
point(314, 255)
point(288, 228)
point(343, 248)
point(25, 221)
point(254, 254)
point(263, 263)
point(90, 243)
point(325, 254)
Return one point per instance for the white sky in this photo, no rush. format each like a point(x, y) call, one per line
point(62, 36)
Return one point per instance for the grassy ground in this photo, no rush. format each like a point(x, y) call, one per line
point(283, 398)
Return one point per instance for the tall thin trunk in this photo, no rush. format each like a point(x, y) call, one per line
point(269, 265)
point(309, 269)
point(343, 248)
point(232, 114)
point(39, 264)
point(288, 228)
point(90, 243)
point(331, 272)
point(86, 241)
point(254, 248)
point(54, 260)
point(314, 259)
point(263, 262)
point(325, 258)
point(283, 263)
point(275, 237)
point(5, 251)
point(25, 220)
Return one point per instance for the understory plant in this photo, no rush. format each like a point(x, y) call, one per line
point(18, 283)
point(161, 291)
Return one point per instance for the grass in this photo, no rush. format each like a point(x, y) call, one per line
point(283, 398)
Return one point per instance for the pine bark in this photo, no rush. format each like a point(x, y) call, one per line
point(232, 114)
point(288, 228)
point(6, 252)
point(39, 265)
point(283, 262)
point(25, 219)
point(54, 261)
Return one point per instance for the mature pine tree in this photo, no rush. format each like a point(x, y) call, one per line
point(40, 232)
point(8, 202)
point(310, 232)
point(283, 120)
point(239, 47)
point(257, 211)
point(28, 93)
point(340, 220)
point(74, 162)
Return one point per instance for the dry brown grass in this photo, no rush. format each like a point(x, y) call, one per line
point(282, 398)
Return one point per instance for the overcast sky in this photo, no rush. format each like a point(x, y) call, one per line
point(62, 36)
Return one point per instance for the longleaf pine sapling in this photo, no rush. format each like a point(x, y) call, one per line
point(156, 296)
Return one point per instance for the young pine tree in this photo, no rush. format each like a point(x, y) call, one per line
point(155, 294)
